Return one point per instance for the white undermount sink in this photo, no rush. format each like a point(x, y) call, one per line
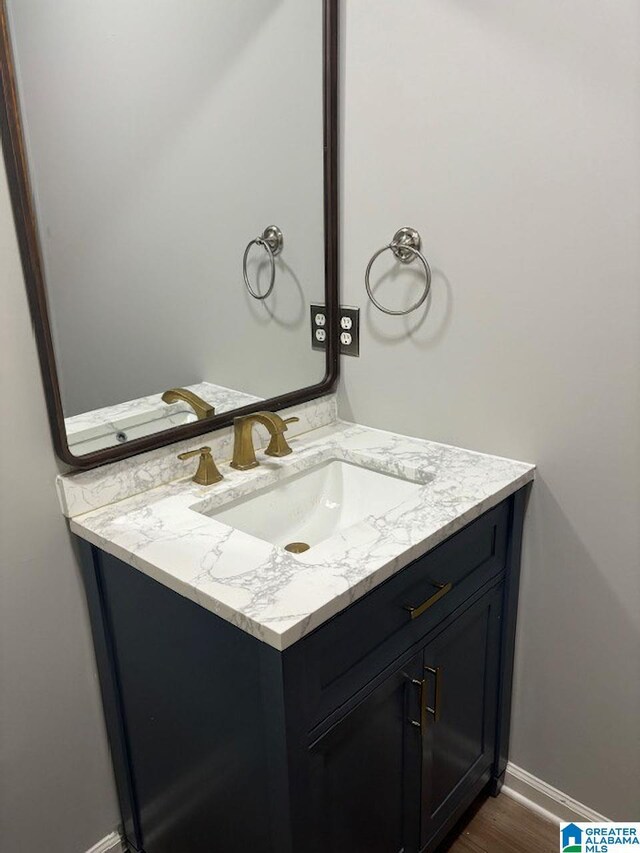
point(315, 505)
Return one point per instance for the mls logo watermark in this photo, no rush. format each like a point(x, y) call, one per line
point(571, 838)
point(599, 837)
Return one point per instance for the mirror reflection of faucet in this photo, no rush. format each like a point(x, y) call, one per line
point(202, 409)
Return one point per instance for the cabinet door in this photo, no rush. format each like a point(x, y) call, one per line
point(365, 772)
point(460, 707)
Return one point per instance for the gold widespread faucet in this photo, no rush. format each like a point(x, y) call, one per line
point(202, 409)
point(207, 473)
point(244, 454)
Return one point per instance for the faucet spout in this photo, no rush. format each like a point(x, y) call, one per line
point(202, 409)
point(244, 454)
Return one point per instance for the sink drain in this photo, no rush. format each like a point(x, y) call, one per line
point(297, 547)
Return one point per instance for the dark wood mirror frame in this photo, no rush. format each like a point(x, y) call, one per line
point(27, 232)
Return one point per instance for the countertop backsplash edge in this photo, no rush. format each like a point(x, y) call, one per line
point(84, 491)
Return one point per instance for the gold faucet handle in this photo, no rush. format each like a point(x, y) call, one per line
point(278, 445)
point(207, 473)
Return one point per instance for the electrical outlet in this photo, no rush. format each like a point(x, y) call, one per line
point(348, 331)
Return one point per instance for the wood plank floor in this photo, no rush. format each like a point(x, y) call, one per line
point(503, 825)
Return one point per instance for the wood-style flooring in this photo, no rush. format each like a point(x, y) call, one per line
point(503, 825)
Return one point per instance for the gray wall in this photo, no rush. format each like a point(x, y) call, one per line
point(509, 134)
point(163, 136)
point(56, 788)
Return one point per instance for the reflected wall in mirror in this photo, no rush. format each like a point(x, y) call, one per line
point(181, 159)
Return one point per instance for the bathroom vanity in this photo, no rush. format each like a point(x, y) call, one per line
point(312, 655)
point(353, 697)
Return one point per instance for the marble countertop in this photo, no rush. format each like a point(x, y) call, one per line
point(276, 596)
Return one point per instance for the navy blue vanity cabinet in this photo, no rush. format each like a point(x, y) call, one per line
point(461, 682)
point(365, 771)
point(404, 761)
point(372, 734)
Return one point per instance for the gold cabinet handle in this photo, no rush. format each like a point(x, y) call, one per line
point(422, 684)
point(435, 711)
point(443, 589)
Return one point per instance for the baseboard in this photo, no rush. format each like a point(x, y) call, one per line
point(111, 844)
point(548, 802)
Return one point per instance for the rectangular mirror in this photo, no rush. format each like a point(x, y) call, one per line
point(172, 166)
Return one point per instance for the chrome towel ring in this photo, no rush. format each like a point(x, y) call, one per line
point(405, 246)
point(272, 241)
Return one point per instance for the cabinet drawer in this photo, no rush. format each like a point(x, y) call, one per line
point(338, 658)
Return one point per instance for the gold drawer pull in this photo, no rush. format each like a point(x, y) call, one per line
point(443, 589)
point(422, 684)
point(435, 711)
